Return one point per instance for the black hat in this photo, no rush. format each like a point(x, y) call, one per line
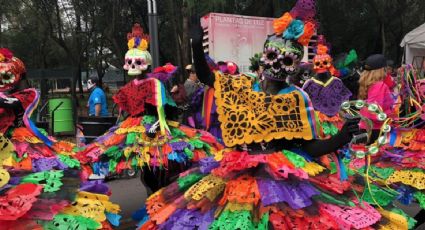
point(375, 61)
point(94, 79)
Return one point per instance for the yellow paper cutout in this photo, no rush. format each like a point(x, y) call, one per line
point(8, 162)
point(135, 129)
point(6, 149)
point(220, 154)
point(247, 116)
point(313, 168)
point(4, 177)
point(233, 207)
point(412, 178)
point(92, 206)
point(396, 221)
point(210, 187)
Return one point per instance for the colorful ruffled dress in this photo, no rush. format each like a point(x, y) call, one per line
point(39, 178)
point(327, 99)
point(130, 144)
point(265, 187)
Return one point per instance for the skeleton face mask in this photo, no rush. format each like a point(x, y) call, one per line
point(322, 63)
point(11, 71)
point(137, 61)
point(281, 57)
point(90, 84)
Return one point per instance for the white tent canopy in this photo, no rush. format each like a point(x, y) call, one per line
point(414, 46)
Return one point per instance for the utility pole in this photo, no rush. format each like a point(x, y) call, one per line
point(153, 32)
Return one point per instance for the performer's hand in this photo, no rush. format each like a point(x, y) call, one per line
point(152, 131)
point(9, 102)
point(350, 128)
point(174, 89)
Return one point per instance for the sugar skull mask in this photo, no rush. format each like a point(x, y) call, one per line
point(281, 57)
point(137, 58)
point(11, 70)
point(322, 62)
point(137, 61)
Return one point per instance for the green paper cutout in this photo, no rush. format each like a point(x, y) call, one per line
point(112, 166)
point(147, 119)
point(51, 180)
point(70, 162)
point(383, 197)
point(420, 197)
point(66, 222)
point(233, 220)
point(131, 138)
point(187, 181)
point(188, 153)
point(382, 173)
point(177, 133)
point(198, 144)
point(295, 159)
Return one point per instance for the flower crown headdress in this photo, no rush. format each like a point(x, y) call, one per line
point(137, 39)
point(298, 24)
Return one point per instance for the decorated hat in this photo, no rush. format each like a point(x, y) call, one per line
point(137, 58)
point(284, 49)
point(228, 67)
point(11, 70)
point(163, 73)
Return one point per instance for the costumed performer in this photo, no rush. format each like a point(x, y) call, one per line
point(274, 183)
point(39, 180)
point(326, 92)
point(147, 138)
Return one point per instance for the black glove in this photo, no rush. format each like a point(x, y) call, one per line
point(196, 31)
point(350, 129)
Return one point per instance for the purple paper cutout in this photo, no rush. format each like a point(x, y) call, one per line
point(327, 99)
point(296, 194)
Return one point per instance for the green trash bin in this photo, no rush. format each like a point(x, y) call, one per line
point(63, 122)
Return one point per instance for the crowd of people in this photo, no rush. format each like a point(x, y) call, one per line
point(290, 145)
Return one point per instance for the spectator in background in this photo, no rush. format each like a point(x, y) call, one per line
point(192, 83)
point(97, 101)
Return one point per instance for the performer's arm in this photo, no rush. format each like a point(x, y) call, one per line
point(317, 148)
point(201, 66)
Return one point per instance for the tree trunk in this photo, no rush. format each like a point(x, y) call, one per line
point(384, 43)
point(176, 31)
point(79, 53)
point(186, 54)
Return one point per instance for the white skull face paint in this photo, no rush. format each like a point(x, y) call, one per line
point(90, 84)
point(137, 61)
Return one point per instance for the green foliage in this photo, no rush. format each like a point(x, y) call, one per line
point(89, 33)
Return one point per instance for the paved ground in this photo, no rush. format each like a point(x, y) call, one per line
point(130, 194)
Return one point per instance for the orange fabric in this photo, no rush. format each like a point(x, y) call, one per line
point(63, 146)
point(22, 134)
point(309, 29)
point(115, 139)
point(25, 164)
point(188, 131)
point(243, 190)
point(280, 24)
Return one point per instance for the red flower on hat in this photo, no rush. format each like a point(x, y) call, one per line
point(5, 54)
